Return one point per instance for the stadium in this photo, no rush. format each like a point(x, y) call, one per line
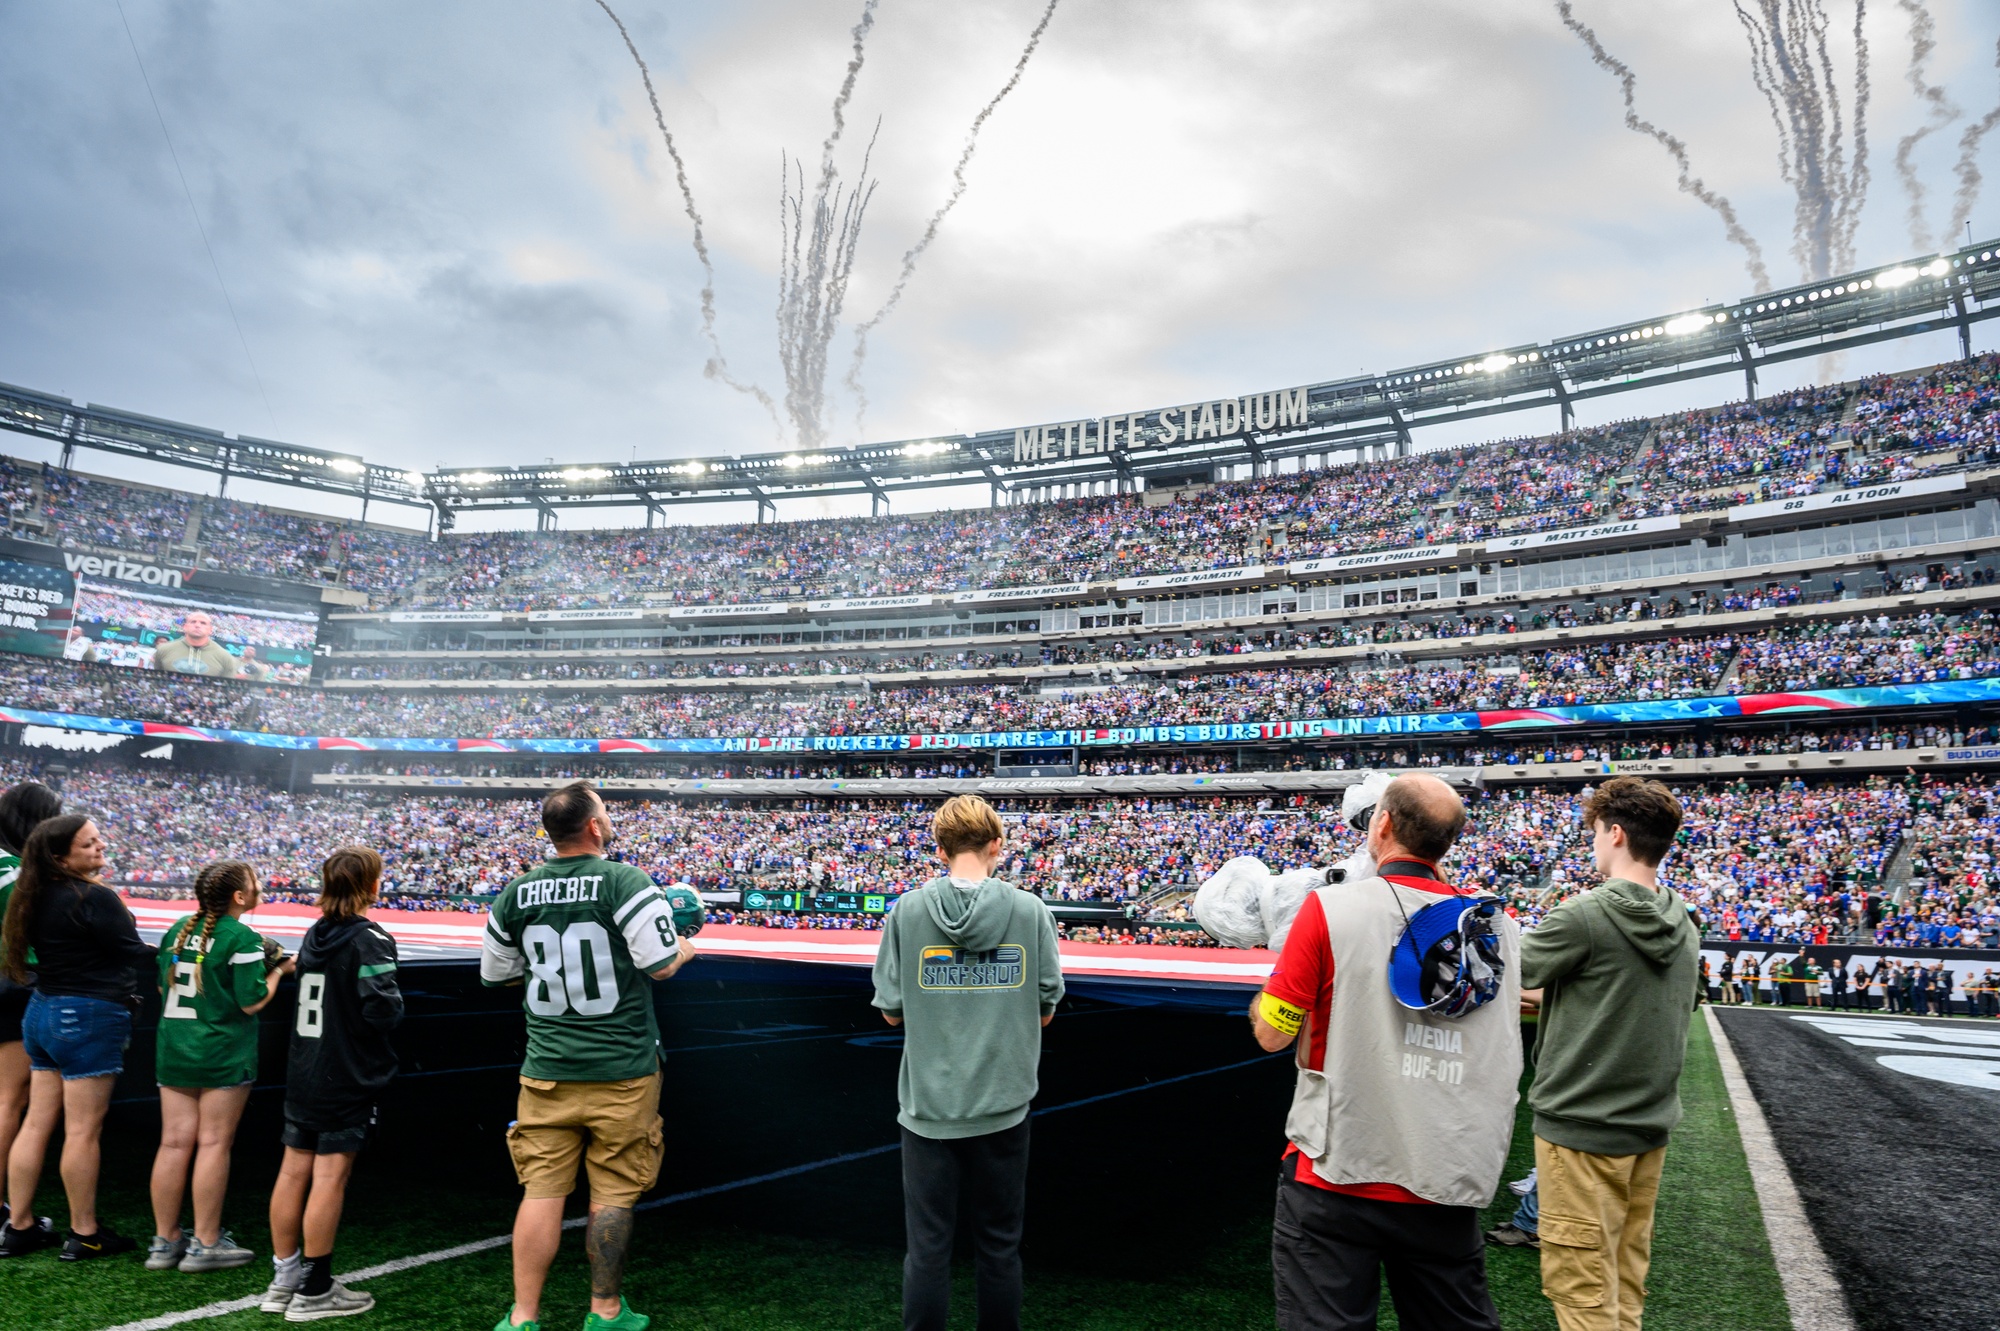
point(1161, 640)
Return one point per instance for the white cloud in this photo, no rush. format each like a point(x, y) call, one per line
point(452, 235)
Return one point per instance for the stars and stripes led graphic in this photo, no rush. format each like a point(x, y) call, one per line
point(1642, 712)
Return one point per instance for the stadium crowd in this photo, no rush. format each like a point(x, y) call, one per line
point(1794, 443)
point(1790, 863)
point(1857, 651)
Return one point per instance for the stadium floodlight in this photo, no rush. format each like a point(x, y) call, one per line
point(585, 473)
point(1897, 277)
point(794, 460)
point(1687, 323)
point(1935, 268)
point(477, 478)
point(928, 449)
point(1496, 363)
point(346, 466)
point(414, 479)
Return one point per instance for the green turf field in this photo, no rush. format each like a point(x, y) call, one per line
point(699, 1264)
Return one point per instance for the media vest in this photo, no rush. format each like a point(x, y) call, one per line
point(1421, 1101)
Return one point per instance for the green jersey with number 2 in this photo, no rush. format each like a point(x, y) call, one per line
point(205, 1037)
point(583, 933)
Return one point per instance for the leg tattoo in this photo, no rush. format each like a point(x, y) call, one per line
point(607, 1239)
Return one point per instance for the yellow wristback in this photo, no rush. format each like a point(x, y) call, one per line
point(1281, 1015)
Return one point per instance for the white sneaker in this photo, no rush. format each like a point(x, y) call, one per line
point(278, 1296)
point(340, 1301)
point(1521, 1187)
point(225, 1254)
point(164, 1254)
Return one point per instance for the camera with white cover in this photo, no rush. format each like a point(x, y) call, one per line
point(1245, 904)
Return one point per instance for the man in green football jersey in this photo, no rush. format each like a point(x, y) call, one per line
point(583, 933)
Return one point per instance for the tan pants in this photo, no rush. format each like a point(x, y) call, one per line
point(1597, 1234)
point(613, 1127)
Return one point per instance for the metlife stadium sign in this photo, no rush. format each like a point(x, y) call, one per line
point(1220, 418)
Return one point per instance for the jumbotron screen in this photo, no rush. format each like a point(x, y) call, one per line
point(149, 630)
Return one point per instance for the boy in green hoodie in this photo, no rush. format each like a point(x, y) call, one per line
point(968, 967)
point(1618, 969)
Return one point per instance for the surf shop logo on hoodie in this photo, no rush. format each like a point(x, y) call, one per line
point(1004, 967)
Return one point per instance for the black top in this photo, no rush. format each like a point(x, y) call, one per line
point(85, 943)
point(348, 1002)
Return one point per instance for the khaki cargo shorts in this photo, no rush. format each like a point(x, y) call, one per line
point(613, 1126)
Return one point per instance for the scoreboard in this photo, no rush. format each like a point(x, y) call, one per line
point(828, 903)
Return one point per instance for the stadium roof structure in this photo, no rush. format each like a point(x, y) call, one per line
point(1377, 411)
point(109, 430)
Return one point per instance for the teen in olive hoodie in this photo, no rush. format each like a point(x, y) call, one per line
point(1617, 968)
point(968, 968)
point(970, 972)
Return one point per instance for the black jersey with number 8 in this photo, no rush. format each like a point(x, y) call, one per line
point(348, 1002)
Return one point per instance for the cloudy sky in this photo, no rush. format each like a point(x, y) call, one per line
point(451, 235)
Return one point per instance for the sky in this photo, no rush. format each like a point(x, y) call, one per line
point(448, 234)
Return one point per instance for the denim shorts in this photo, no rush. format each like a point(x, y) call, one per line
point(78, 1037)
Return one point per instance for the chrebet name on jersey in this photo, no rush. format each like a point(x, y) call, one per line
point(560, 891)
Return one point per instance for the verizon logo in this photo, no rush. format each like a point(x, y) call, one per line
point(123, 569)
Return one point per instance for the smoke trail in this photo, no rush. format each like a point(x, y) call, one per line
point(1967, 167)
point(1940, 111)
point(717, 366)
point(958, 184)
point(864, 26)
point(1859, 179)
point(1792, 66)
point(816, 256)
point(1688, 182)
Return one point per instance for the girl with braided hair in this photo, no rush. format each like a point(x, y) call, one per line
point(215, 976)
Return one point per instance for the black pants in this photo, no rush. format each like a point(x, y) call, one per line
point(1328, 1252)
point(991, 1173)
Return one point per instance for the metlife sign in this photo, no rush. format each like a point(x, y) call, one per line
point(1888, 492)
point(1220, 418)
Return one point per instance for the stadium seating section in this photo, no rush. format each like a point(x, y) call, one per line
point(1885, 428)
point(1784, 861)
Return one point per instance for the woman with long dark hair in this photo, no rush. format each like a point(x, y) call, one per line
point(216, 975)
point(77, 1026)
point(21, 807)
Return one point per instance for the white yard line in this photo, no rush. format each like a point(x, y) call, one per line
point(226, 1306)
point(1816, 1299)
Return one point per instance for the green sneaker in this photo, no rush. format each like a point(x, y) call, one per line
point(626, 1320)
point(507, 1323)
